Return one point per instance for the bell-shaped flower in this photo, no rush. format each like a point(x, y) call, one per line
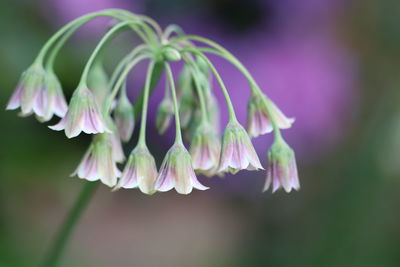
point(258, 118)
point(38, 92)
point(83, 115)
point(50, 100)
point(281, 168)
point(114, 139)
point(118, 152)
point(205, 149)
point(98, 162)
point(177, 172)
point(165, 112)
point(140, 171)
point(98, 81)
point(237, 151)
point(124, 117)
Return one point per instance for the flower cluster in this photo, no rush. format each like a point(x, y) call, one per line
point(100, 106)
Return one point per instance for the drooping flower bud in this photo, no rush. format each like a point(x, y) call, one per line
point(98, 82)
point(98, 162)
point(38, 92)
point(124, 117)
point(202, 64)
point(114, 139)
point(185, 93)
point(140, 171)
point(237, 152)
point(258, 119)
point(177, 172)
point(214, 115)
point(165, 112)
point(83, 115)
point(205, 149)
point(171, 54)
point(281, 169)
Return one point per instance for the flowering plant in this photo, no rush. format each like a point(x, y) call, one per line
point(91, 110)
point(100, 106)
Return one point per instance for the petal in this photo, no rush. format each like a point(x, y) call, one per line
point(15, 100)
point(60, 105)
point(268, 178)
point(60, 125)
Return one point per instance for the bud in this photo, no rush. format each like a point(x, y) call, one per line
point(258, 119)
point(213, 110)
point(171, 54)
point(140, 171)
point(177, 172)
point(98, 162)
point(98, 82)
point(237, 152)
point(281, 169)
point(124, 117)
point(185, 92)
point(165, 112)
point(205, 149)
point(202, 64)
point(83, 115)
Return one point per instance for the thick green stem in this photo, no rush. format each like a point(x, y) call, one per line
point(170, 77)
point(142, 134)
point(70, 222)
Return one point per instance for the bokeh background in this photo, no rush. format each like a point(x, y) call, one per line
point(332, 64)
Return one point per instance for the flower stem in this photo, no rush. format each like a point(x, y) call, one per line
point(194, 72)
point(121, 80)
point(142, 134)
point(220, 51)
point(59, 45)
point(123, 62)
point(110, 12)
point(99, 46)
point(170, 77)
point(232, 115)
point(69, 224)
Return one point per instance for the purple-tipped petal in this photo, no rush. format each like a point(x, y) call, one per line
point(238, 152)
point(83, 115)
point(259, 110)
point(140, 171)
point(177, 172)
point(282, 169)
point(98, 162)
point(15, 100)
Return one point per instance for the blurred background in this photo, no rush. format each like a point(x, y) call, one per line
point(332, 64)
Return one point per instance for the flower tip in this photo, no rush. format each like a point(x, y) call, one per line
point(11, 106)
